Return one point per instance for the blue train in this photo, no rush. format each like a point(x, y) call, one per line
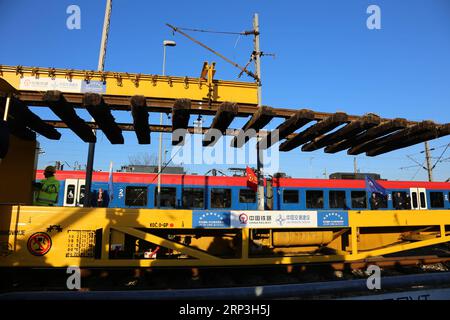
point(139, 190)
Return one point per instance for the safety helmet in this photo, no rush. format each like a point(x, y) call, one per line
point(50, 169)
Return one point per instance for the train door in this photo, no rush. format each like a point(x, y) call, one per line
point(269, 194)
point(418, 199)
point(74, 191)
point(81, 192)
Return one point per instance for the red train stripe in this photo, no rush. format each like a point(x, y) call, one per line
point(151, 178)
point(341, 183)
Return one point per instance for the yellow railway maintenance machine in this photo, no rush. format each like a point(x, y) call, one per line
point(32, 236)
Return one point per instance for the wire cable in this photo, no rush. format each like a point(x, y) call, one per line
point(415, 174)
point(243, 33)
point(167, 163)
point(437, 161)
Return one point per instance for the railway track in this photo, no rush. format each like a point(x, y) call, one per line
point(148, 279)
point(399, 287)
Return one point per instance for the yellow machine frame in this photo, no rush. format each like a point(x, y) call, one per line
point(93, 237)
point(127, 84)
point(20, 223)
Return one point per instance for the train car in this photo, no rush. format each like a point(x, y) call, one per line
point(210, 221)
point(139, 190)
point(314, 194)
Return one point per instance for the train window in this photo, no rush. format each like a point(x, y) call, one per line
point(359, 199)
point(437, 199)
point(401, 200)
point(423, 203)
point(247, 196)
point(290, 196)
point(82, 194)
point(414, 196)
point(314, 199)
point(377, 201)
point(136, 196)
point(168, 197)
point(220, 198)
point(193, 198)
point(337, 199)
point(383, 200)
point(70, 197)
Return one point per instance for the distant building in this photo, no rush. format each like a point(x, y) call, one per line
point(354, 176)
point(152, 169)
point(280, 175)
point(237, 172)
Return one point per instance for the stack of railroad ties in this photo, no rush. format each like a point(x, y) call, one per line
point(142, 94)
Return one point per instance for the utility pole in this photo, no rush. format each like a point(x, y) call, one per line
point(259, 151)
point(355, 166)
point(198, 125)
point(428, 159)
point(166, 43)
point(100, 67)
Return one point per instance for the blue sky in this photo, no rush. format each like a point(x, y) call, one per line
point(326, 60)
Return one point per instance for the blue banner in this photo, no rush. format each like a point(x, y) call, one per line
point(373, 186)
point(93, 86)
point(210, 219)
point(332, 218)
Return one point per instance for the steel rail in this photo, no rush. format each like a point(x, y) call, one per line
point(298, 291)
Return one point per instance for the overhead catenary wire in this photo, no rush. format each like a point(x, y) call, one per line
point(415, 174)
point(243, 33)
point(431, 149)
point(422, 165)
point(248, 72)
point(410, 167)
point(418, 163)
point(165, 166)
point(440, 157)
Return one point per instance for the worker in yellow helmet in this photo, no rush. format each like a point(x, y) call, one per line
point(48, 189)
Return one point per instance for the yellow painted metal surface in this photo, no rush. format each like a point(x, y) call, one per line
point(5, 87)
point(302, 238)
point(169, 244)
point(129, 84)
point(75, 231)
point(17, 171)
point(78, 225)
point(381, 218)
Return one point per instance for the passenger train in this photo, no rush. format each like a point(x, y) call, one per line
point(139, 190)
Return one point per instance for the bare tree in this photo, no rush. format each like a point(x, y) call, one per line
point(143, 159)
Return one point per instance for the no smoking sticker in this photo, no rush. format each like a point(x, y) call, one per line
point(39, 244)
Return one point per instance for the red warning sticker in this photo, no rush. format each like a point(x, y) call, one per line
point(39, 243)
